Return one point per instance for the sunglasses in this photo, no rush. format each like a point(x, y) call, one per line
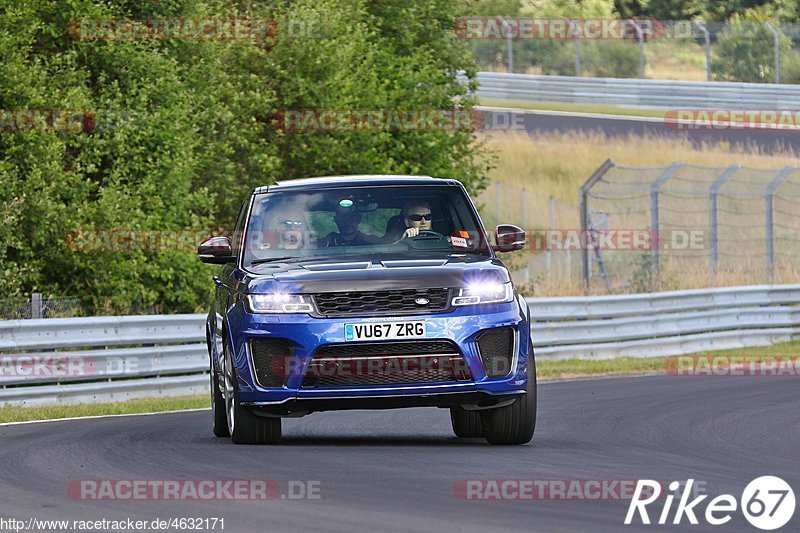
point(292, 223)
point(418, 218)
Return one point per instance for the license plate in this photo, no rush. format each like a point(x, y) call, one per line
point(384, 330)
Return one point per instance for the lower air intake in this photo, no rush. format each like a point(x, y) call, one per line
point(270, 358)
point(496, 347)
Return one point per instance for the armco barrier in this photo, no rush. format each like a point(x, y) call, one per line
point(668, 94)
point(141, 356)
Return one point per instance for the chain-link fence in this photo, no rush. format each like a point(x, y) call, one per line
point(553, 268)
point(40, 306)
point(687, 226)
point(766, 52)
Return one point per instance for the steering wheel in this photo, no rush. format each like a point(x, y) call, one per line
point(428, 233)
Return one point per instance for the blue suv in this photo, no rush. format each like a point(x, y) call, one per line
point(367, 292)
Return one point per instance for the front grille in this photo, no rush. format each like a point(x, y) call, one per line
point(393, 302)
point(269, 361)
point(386, 363)
point(496, 347)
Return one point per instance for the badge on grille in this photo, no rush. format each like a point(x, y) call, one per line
point(422, 301)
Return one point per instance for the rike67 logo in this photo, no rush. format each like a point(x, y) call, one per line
point(767, 502)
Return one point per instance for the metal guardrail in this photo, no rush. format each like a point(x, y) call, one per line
point(166, 355)
point(665, 323)
point(638, 92)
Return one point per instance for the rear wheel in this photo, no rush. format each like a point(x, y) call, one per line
point(466, 424)
point(244, 426)
point(515, 423)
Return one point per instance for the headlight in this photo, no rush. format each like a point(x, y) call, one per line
point(484, 293)
point(279, 303)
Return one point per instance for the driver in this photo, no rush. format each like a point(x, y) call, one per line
point(417, 217)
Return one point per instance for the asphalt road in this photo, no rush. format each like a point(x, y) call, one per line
point(764, 140)
point(396, 470)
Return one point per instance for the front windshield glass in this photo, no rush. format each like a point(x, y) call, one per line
point(399, 222)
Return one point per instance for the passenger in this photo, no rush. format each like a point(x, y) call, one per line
point(347, 222)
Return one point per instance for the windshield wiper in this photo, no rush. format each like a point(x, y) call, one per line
point(272, 259)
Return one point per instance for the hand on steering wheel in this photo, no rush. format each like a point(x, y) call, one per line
point(415, 232)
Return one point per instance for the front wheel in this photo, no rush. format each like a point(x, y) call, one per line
point(466, 424)
point(244, 426)
point(220, 425)
point(515, 423)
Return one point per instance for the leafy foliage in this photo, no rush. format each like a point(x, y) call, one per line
point(184, 130)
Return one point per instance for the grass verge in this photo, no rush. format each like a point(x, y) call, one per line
point(582, 368)
point(546, 371)
point(605, 109)
point(142, 405)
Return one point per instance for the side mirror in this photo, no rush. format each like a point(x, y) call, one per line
point(216, 251)
point(508, 238)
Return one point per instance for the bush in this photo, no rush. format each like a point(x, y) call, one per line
point(746, 52)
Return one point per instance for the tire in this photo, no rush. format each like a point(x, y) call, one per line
point(244, 426)
point(515, 423)
point(220, 426)
point(466, 424)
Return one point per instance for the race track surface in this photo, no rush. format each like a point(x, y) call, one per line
point(396, 470)
point(764, 140)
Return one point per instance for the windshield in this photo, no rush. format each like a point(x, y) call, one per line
point(400, 222)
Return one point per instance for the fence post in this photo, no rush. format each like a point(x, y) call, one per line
point(574, 28)
point(509, 45)
point(713, 193)
point(640, 38)
point(777, 39)
point(768, 198)
point(703, 28)
point(498, 205)
point(655, 190)
point(583, 206)
point(36, 305)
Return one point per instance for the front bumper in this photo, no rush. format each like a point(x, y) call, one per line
point(461, 326)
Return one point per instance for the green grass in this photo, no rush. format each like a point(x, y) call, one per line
point(579, 368)
point(546, 371)
point(575, 108)
point(144, 405)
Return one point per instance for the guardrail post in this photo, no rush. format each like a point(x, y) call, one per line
point(777, 40)
point(713, 193)
point(36, 305)
point(583, 201)
point(769, 195)
point(702, 28)
point(655, 190)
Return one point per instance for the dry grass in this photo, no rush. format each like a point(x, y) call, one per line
point(535, 167)
point(558, 164)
